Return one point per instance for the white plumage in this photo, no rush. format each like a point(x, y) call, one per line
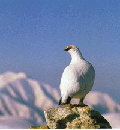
point(77, 79)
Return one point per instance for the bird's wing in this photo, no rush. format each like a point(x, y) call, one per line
point(87, 77)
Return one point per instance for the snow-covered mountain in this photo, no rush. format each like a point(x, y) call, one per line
point(102, 102)
point(23, 100)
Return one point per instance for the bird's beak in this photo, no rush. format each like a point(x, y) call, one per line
point(66, 49)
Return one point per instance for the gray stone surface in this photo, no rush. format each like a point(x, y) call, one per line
point(75, 117)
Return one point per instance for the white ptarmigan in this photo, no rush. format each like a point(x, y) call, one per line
point(77, 79)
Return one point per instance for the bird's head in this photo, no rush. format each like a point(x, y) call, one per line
point(73, 50)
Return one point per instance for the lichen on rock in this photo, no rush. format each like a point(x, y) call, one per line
point(75, 117)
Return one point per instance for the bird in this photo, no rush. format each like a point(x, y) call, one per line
point(77, 78)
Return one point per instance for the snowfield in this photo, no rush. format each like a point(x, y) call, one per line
point(23, 101)
point(12, 122)
point(113, 119)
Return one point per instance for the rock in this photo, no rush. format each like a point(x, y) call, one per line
point(39, 127)
point(75, 117)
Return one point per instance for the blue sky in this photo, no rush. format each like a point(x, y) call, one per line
point(34, 33)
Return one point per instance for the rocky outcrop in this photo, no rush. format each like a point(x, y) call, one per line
point(74, 117)
point(39, 127)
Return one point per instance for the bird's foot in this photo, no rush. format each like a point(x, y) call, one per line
point(69, 105)
point(81, 104)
